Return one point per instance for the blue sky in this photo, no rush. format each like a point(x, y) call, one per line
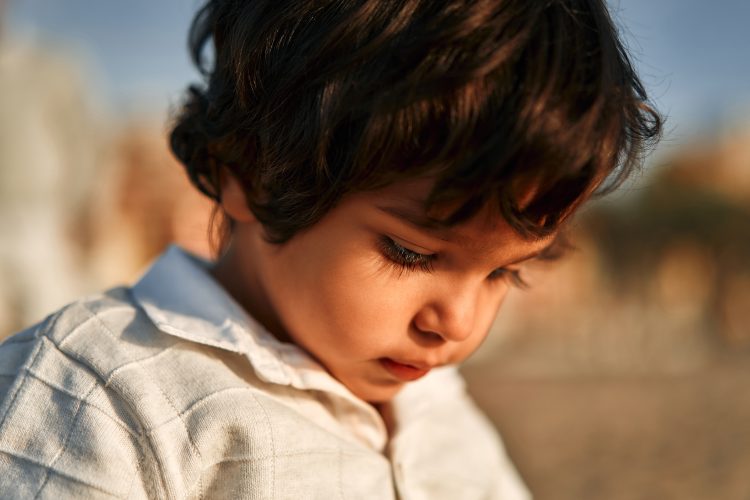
point(692, 54)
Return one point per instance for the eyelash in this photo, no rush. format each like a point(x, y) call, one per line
point(409, 260)
point(404, 258)
point(513, 276)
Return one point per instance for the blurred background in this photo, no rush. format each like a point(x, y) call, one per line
point(621, 373)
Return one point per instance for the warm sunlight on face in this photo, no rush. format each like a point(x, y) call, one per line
point(372, 294)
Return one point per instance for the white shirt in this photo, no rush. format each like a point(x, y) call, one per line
point(169, 389)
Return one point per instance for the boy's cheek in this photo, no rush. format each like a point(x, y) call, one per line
point(360, 278)
point(372, 304)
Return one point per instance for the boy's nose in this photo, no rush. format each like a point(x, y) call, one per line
point(450, 316)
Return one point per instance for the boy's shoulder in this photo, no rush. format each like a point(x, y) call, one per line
point(88, 341)
point(111, 342)
point(87, 333)
point(96, 400)
point(61, 429)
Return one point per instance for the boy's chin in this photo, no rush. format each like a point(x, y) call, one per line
point(376, 394)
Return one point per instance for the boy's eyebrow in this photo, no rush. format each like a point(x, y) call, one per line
point(549, 252)
point(533, 255)
point(553, 251)
point(418, 219)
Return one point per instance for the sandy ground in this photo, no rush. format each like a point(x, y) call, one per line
point(658, 437)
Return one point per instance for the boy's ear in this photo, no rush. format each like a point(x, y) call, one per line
point(233, 199)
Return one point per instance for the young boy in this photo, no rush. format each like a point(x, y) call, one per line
point(385, 169)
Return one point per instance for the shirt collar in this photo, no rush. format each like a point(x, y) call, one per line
point(182, 299)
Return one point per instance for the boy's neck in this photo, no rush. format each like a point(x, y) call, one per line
point(243, 283)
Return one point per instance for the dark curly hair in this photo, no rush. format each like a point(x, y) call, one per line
point(305, 101)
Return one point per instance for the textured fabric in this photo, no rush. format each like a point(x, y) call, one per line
point(169, 390)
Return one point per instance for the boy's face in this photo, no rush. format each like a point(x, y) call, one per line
point(374, 297)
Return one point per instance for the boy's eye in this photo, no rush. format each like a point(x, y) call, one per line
point(405, 258)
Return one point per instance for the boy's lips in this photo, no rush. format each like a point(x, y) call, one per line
point(404, 371)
